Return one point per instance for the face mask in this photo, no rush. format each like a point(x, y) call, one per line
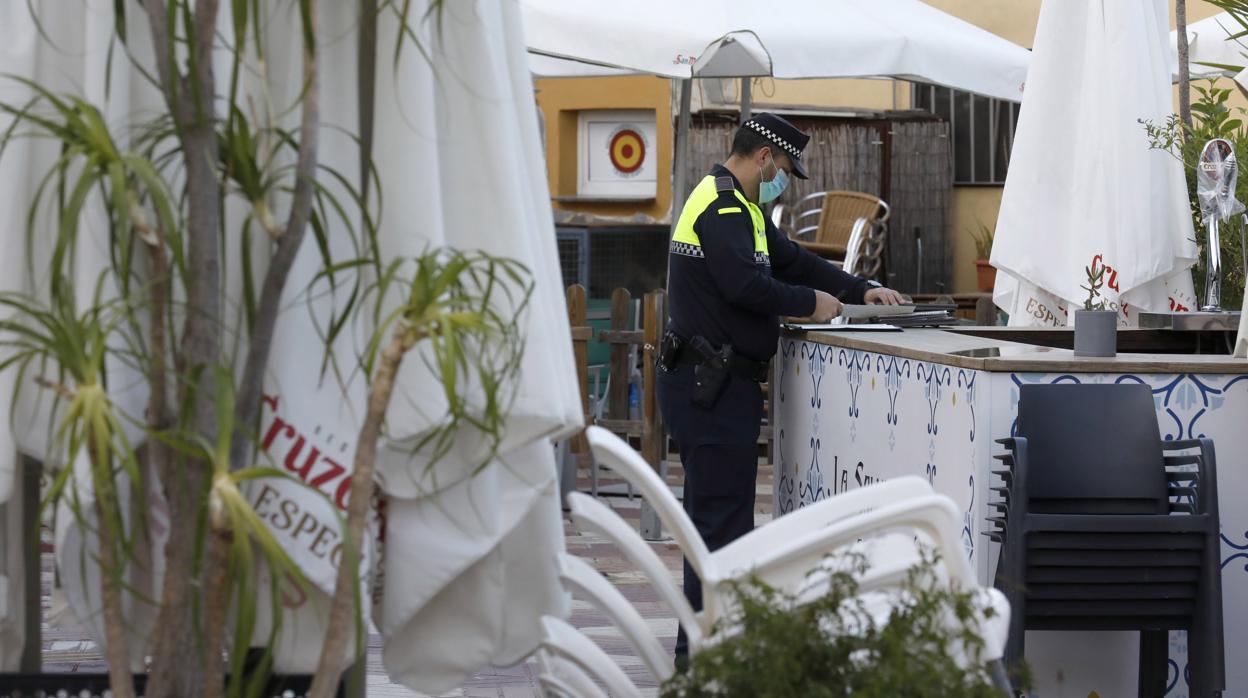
point(770, 191)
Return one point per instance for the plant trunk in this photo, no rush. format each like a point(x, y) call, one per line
point(216, 609)
point(158, 415)
point(1185, 71)
point(288, 244)
point(178, 667)
point(329, 669)
point(216, 602)
point(117, 649)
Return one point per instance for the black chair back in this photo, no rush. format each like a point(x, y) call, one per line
point(1095, 448)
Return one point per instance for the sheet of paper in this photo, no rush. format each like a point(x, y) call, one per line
point(810, 326)
point(860, 311)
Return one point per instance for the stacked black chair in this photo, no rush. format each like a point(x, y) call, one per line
point(1104, 526)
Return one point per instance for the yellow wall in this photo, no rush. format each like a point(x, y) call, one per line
point(561, 98)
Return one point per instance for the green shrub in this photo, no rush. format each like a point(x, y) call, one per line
point(829, 647)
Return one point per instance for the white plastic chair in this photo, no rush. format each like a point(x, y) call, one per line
point(567, 642)
point(559, 678)
point(784, 552)
point(580, 578)
point(590, 514)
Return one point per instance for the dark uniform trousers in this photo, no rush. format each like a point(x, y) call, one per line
point(719, 452)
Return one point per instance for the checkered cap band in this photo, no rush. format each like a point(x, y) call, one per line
point(774, 138)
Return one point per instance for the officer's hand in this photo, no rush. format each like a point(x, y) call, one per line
point(826, 307)
point(884, 296)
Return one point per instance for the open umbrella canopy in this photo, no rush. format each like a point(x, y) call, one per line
point(1084, 189)
point(809, 39)
point(1211, 50)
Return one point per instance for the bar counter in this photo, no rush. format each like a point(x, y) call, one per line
point(854, 407)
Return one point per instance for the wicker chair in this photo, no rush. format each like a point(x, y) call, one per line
point(826, 223)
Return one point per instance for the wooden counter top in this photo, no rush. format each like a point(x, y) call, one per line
point(958, 347)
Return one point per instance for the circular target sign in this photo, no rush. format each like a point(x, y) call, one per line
point(627, 150)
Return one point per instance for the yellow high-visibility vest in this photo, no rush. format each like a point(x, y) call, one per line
point(685, 240)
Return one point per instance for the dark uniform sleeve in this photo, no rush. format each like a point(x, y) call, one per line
point(728, 244)
point(796, 265)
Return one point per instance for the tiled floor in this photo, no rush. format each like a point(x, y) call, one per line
point(66, 650)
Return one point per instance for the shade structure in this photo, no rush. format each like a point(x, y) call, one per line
point(548, 67)
point(905, 39)
point(1084, 188)
point(1209, 42)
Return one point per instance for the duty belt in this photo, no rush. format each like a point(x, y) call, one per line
point(676, 350)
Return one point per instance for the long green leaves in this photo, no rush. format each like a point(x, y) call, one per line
point(467, 308)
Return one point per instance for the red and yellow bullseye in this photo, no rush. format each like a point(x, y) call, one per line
point(628, 151)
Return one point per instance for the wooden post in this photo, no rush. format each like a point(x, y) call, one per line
point(621, 371)
point(653, 436)
point(581, 334)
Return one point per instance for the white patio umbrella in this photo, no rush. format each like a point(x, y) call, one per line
point(1084, 188)
point(904, 39)
point(468, 558)
point(1209, 41)
point(83, 70)
point(466, 569)
point(17, 38)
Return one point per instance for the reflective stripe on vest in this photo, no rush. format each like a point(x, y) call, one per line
point(685, 240)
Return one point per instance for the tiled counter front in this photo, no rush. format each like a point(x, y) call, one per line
point(846, 418)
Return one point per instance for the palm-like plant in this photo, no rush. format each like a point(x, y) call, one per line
point(158, 309)
point(74, 347)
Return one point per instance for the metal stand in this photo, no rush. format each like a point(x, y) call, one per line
point(1213, 274)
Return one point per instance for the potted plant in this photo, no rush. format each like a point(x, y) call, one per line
point(985, 273)
point(1096, 329)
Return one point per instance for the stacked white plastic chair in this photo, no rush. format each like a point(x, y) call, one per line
point(880, 521)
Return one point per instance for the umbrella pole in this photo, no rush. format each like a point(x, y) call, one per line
point(680, 174)
point(651, 528)
point(747, 100)
point(32, 650)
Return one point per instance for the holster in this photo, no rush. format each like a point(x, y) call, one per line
point(710, 375)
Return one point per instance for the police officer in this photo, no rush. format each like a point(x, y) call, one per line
point(731, 274)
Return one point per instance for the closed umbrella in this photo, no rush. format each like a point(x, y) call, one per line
point(1084, 188)
point(32, 45)
point(468, 557)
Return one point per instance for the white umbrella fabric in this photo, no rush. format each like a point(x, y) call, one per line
point(25, 50)
point(469, 559)
point(17, 39)
point(906, 39)
point(1209, 41)
point(468, 566)
point(1084, 189)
